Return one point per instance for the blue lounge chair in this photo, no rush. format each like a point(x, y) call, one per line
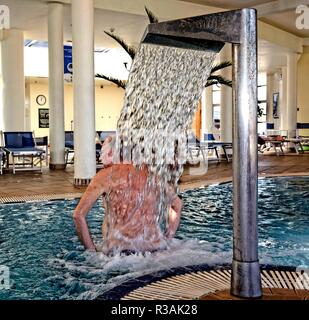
point(211, 140)
point(69, 148)
point(194, 144)
point(21, 145)
point(69, 139)
point(42, 142)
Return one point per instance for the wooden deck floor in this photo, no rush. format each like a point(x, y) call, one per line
point(61, 182)
point(268, 294)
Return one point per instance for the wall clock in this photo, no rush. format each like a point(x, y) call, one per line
point(41, 99)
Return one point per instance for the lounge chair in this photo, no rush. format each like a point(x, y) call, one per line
point(275, 142)
point(69, 148)
point(212, 143)
point(42, 142)
point(195, 145)
point(296, 143)
point(261, 144)
point(21, 145)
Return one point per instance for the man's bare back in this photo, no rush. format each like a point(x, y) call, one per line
point(131, 206)
point(131, 210)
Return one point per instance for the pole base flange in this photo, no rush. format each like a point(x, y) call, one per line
point(246, 279)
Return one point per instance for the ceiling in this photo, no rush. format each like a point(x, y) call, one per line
point(31, 16)
point(284, 20)
point(271, 57)
point(229, 4)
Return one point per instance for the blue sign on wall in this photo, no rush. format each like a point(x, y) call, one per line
point(68, 65)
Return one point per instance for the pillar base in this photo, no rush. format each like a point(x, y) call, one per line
point(81, 182)
point(57, 166)
point(246, 279)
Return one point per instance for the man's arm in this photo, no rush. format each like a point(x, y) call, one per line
point(173, 218)
point(96, 187)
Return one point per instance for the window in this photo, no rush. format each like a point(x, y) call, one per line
point(262, 101)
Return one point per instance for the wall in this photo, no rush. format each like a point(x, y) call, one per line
point(108, 103)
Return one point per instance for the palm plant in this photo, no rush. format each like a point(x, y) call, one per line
point(216, 78)
point(259, 110)
point(213, 79)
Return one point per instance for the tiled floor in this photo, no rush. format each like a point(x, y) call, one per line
point(60, 182)
point(269, 165)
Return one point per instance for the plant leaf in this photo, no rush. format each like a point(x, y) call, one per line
point(129, 49)
point(152, 18)
point(119, 83)
point(210, 83)
point(217, 79)
point(221, 66)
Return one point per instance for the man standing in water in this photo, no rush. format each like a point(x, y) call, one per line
point(131, 207)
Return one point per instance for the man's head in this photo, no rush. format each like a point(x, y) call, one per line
point(108, 150)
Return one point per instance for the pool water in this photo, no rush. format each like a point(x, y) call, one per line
point(46, 261)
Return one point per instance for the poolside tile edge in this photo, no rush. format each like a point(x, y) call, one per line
point(38, 197)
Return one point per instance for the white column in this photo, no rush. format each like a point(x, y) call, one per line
point(13, 81)
point(203, 114)
point(55, 85)
point(291, 93)
point(207, 112)
point(283, 102)
point(27, 107)
point(226, 97)
point(270, 92)
point(83, 84)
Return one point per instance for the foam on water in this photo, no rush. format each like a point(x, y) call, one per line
point(100, 273)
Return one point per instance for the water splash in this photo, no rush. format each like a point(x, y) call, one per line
point(98, 273)
point(162, 94)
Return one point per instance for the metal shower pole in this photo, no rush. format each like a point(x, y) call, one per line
point(246, 279)
point(210, 32)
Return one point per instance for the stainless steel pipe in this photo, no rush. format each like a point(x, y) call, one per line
point(246, 280)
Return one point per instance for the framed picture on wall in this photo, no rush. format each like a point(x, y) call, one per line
point(43, 118)
point(276, 105)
